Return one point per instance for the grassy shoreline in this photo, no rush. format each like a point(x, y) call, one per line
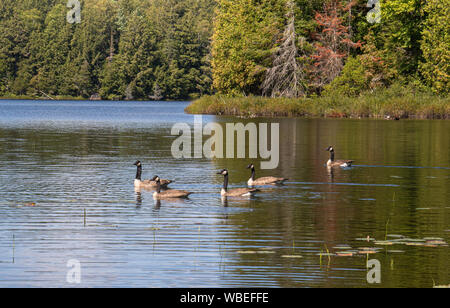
point(412, 106)
point(29, 98)
point(380, 105)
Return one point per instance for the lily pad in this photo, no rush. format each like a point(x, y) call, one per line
point(396, 240)
point(265, 252)
point(414, 244)
point(342, 247)
point(433, 238)
point(367, 252)
point(365, 239)
point(415, 240)
point(384, 243)
point(326, 254)
point(397, 236)
point(344, 254)
point(292, 256)
point(435, 242)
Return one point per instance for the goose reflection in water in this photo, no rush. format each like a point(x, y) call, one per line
point(138, 199)
point(330, 171)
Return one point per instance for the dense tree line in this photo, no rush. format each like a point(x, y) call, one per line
point(177, 49)
point(339, 49)
point(122, 49)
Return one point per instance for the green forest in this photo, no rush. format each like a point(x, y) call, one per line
point(185, 49)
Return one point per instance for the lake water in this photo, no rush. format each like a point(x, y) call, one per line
point(59, 160)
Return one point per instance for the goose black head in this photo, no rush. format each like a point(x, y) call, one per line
point(223, 172)
point(251, 166)
point(330, 149)
point(137, 163)
point(156, 179)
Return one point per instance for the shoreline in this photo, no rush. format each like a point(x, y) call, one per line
point(75, 99)
point(376, 107)
point(423, 106)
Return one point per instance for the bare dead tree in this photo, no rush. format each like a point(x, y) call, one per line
point(157, 92)
point(332, 43)
point(285, 78)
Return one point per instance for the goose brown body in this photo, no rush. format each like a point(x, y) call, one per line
point(164, 183)
point(168, 194)
point(337, 163)
point(268, 180)
point(149, 184)
point(236, 192)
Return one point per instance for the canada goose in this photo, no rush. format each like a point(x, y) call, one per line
point(138, 183)
point(263, 181)
point(388, 117)
point(237, 192)
point(168, 194)
point(337, 163)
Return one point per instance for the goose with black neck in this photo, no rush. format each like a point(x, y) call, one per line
point(337, 163)
point(268, 180)
point(149, 184)
point(236, 192)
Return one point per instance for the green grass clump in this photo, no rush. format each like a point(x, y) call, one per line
point(393, 103)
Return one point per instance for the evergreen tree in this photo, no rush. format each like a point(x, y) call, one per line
point(242, 43)
point(49, 50)
point(400, 33)
point(168, 49)
point(129, 74)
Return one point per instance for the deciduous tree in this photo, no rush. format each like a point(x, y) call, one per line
point(435, 46)
point(333, 41)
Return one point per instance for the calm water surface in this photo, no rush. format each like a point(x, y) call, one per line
point(68, 157)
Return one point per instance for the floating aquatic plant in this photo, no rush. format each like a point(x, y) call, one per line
point(366, 239)
point(384, 243)
point(344, 254)
point(246, 252)
point(326, 254)
point(396, 236)
point(292, 256)
point(367, 252)
point(342, 247)
point(265, 252)
point(436, 242)
point(249, 252)
point(433, 239)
